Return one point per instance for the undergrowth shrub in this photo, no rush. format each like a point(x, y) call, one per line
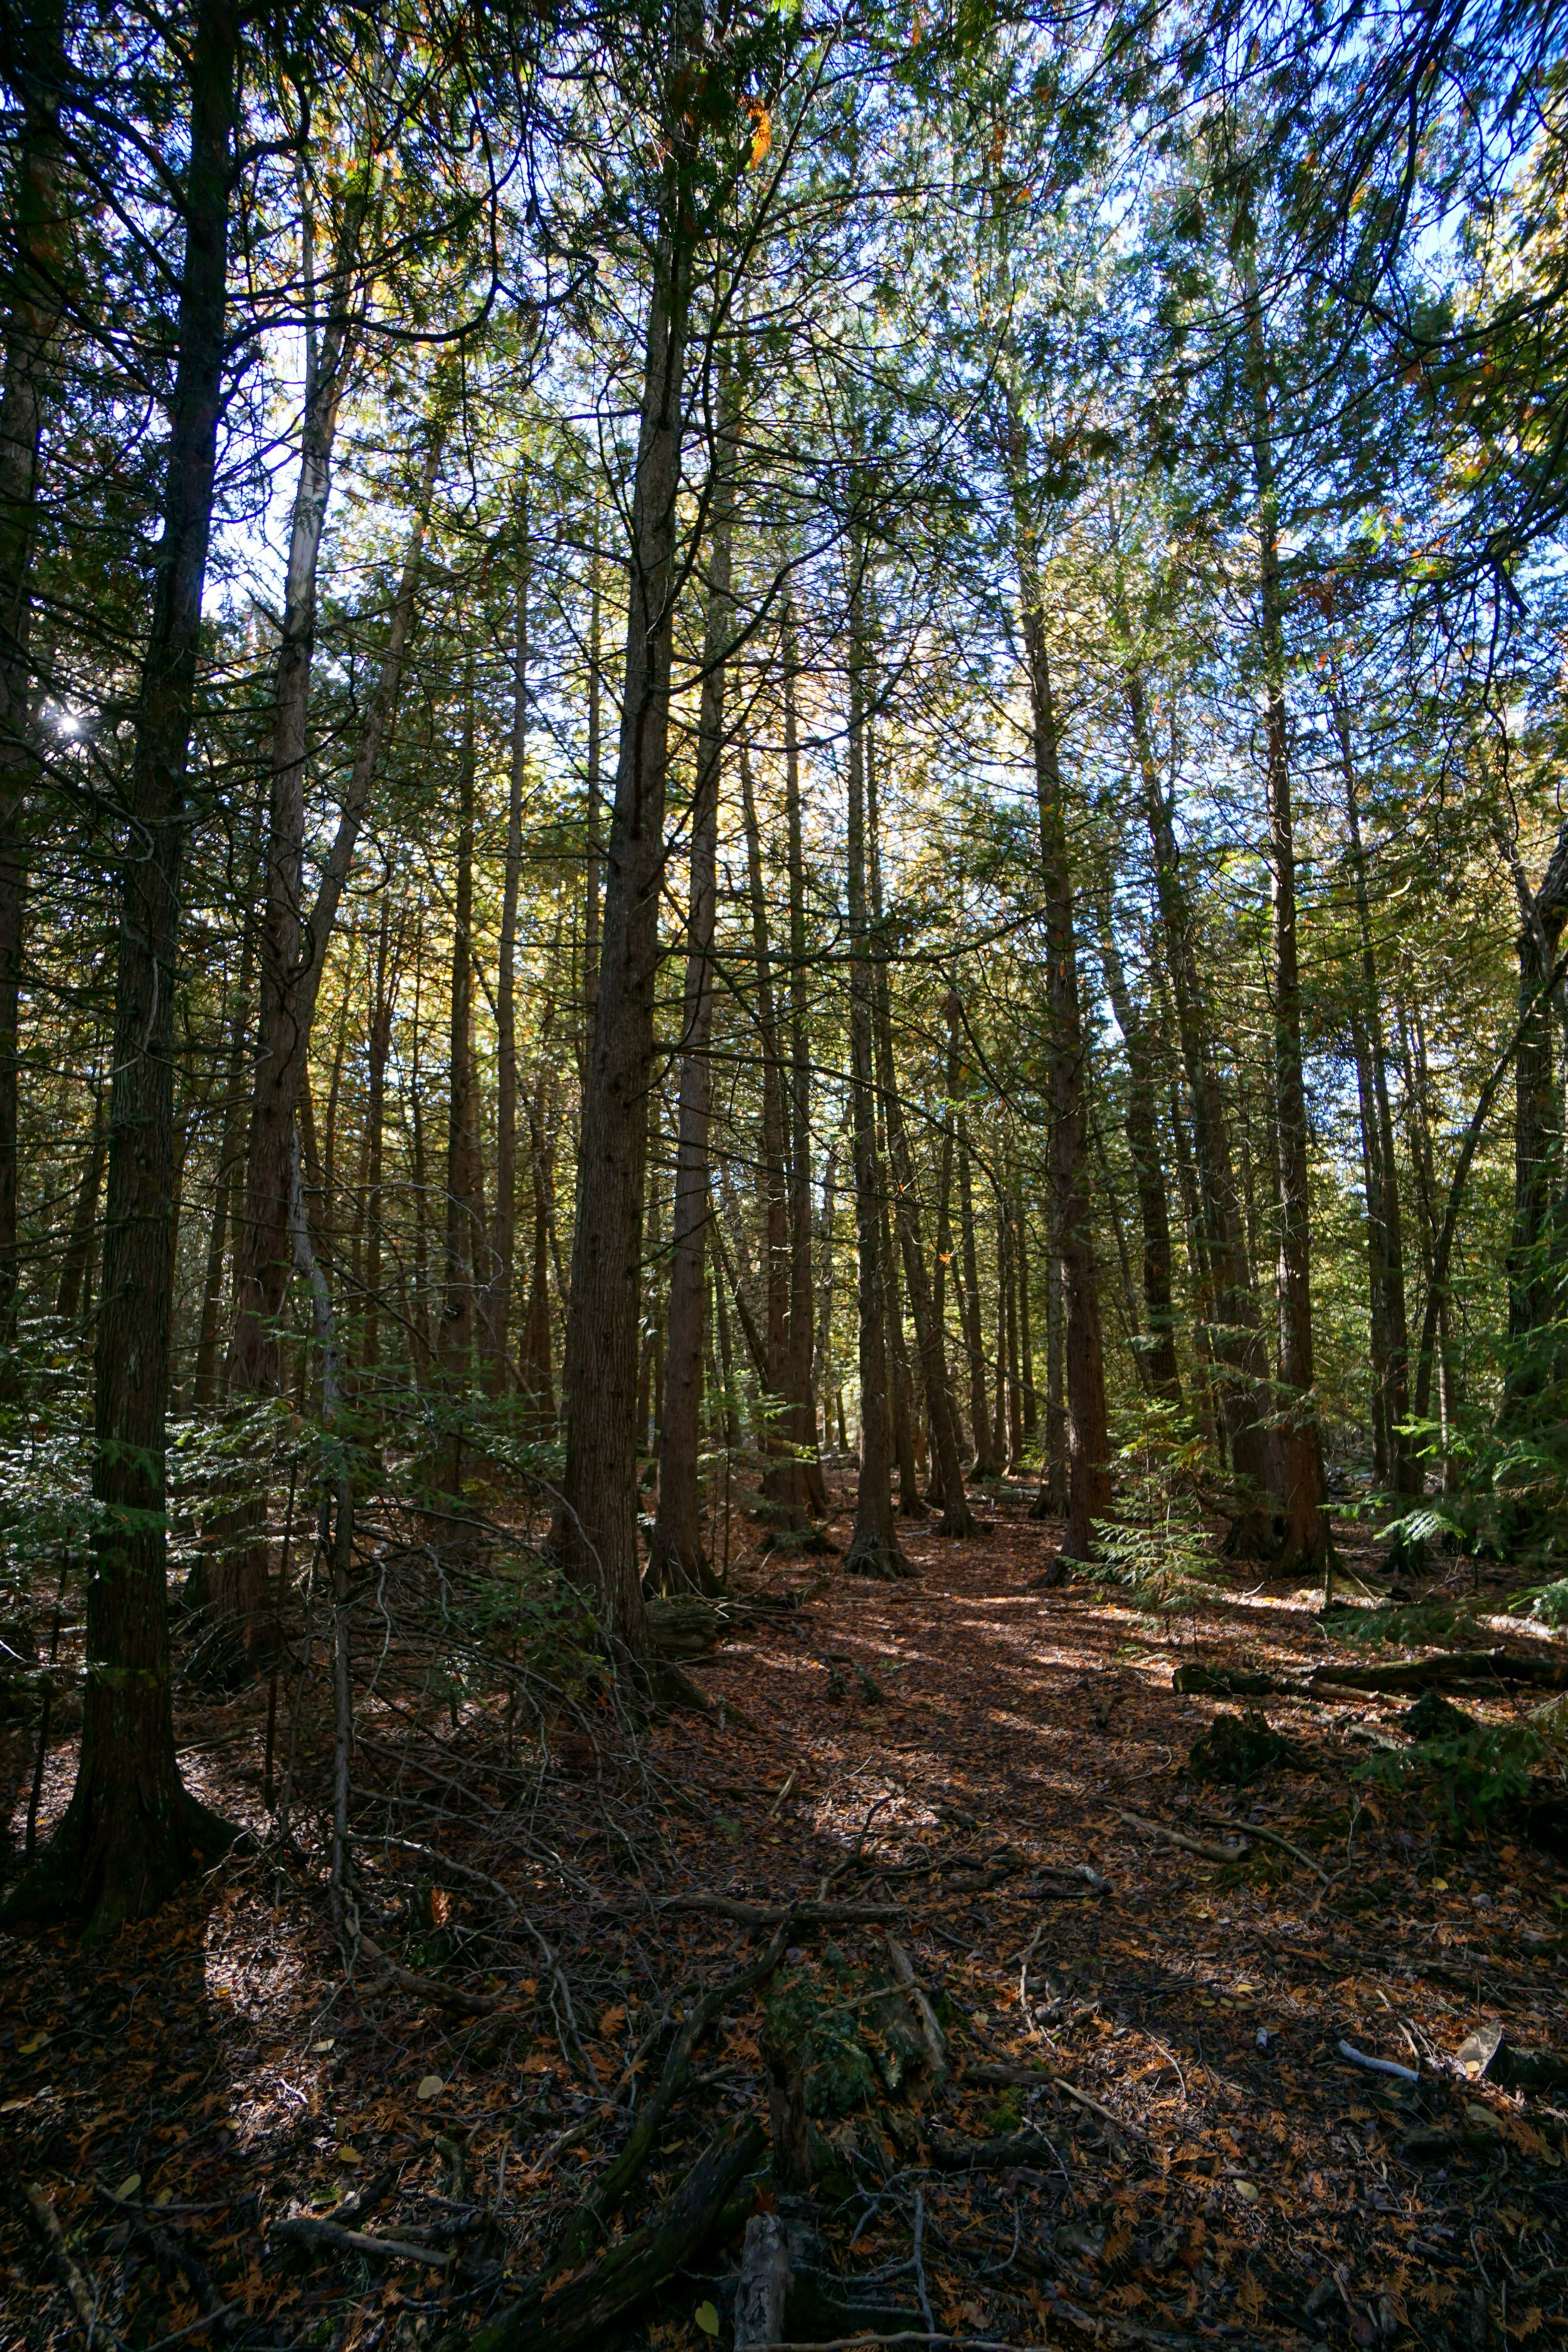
point(1158, 1547)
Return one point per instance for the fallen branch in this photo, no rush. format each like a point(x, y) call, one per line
point(1270, 1837)
point(805, 1915)
point(1202, 1847)
point(304, 2230)
point(584, 2309)
point(1378, 2065)
point(1081, 1873)
point(1450, 1666)
point(466, 2004)
point(584, 2227)
point(81, 2294)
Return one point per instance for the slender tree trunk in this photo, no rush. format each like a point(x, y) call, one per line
point(465, 1229)
point(1308, 1538)
point(71, 1299)
point(1026, 1320)
point(1088, 1439)
point(781, 1484)
point(503, 1229)
point(986, 1463)
point(1055, 1492)
point(593, 943)
point(812, 1487)
point(1149, 1175)
point(595, 1530)
point(1405, 1472)
point(37, 255)
point(1374, 1177)
point(874, 1548)
point(291, 983)
point(1228, 1324)
point(538, 1374)
point(231, 1150)
point(375, 1139)
point(678, 1561)
point(130, 1832)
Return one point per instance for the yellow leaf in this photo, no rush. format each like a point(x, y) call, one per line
point(708, 2318)
point(348, 2155)
point(130, 2185)
point(34, 2041)
point(762, 131)
point(430, 2087)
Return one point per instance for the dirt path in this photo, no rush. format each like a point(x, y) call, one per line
point(1206, 2160)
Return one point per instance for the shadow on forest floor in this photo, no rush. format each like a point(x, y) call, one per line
point(1213, 2164)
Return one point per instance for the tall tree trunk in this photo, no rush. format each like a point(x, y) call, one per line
point(782, 1483)
point(231, 1147)
point(504, 1228)
point(592, 945)
point(1406, 1472)
point(71, 1299)
point(1307, 1545)
point(986, 1463)
point(1228, 1323)
point(1089, 1438)
point(293, 956)
point(1374, 1178)
point(1053, 1500)
point(874, 1548)
point(812, 1487)
point(465, 1225)
point(1149, 1175)
point(34, 291)
point(537, 1371)
point(1026, 1320)
point(595, 1532)
point(678, 1561)
point(131, 1831)
point(380, 1054)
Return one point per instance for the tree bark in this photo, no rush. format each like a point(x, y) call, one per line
point(1149, 1175)
point(595, 1532)
point(1088, 1439)
point(34, 300)
point(71, 1299)
point(231, 1147)
point(678, 1561)
point(811, 1488)
point(293, 956)
point(131, 1831)
point(986, 1463)
point(874, 1548)
point(781, 1485)
point(1307, 1545)
point(464, 1216)
point(503, 1226)
point(1228, 1325)
point(380, 1053)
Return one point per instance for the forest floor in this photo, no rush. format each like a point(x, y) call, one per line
point(1185, 2154)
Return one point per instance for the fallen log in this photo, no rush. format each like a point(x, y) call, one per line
point(1205, 1848)
point(559, 2317)
point(584, 2228)
point(1447, 1667)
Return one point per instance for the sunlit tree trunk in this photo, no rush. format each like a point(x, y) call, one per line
point(1149, 1175)
point(803, 1420)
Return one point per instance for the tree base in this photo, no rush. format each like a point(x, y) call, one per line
point(1254, 1534)
point(959, 1523)
point(878, 1557)
point(107, 1864)
point(673, 1567)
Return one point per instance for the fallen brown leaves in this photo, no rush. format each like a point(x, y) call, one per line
point(1147, 2134)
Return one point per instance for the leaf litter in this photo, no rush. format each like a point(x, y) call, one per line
point(1055, 2078)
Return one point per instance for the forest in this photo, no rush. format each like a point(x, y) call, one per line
point(784, 1024)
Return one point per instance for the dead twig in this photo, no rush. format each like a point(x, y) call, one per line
point(304, 2230)
point(1202, 1847)
point(81, 2294)
point(1269, 1837)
